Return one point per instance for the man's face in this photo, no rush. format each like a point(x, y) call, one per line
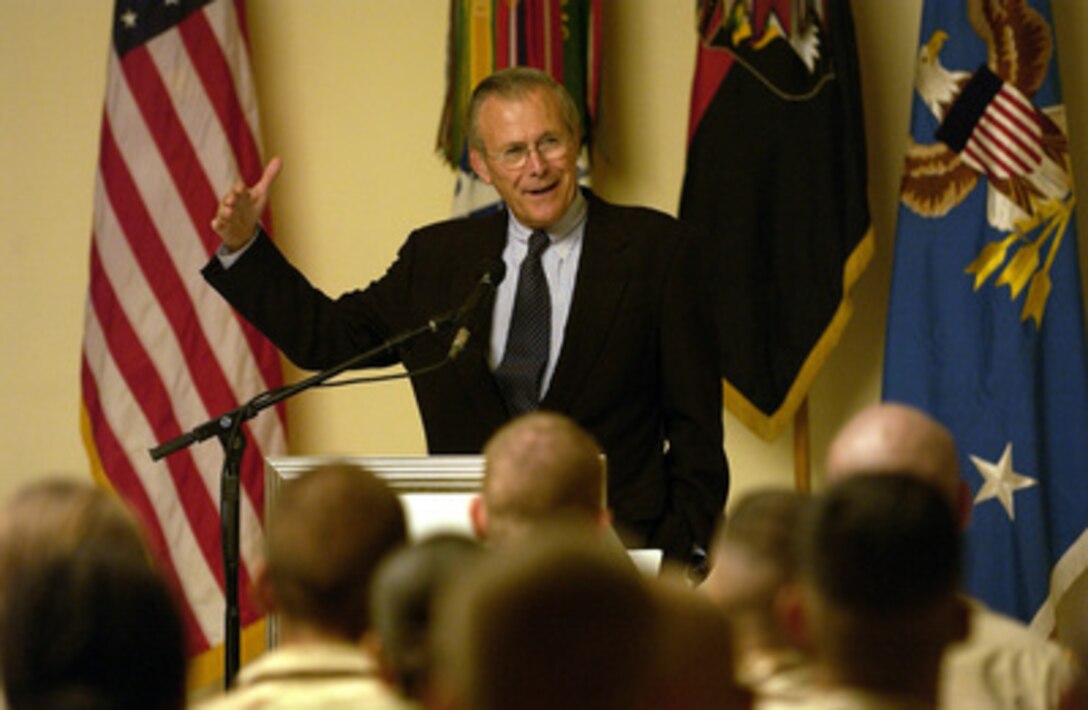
point(529, 156)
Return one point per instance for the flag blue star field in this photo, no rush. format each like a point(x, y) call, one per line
point(986, 326)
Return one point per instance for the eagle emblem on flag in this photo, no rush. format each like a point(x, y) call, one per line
point(990, 130)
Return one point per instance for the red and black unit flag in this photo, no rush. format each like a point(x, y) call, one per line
point(561, 37)
point(776, 177)
point(162, 352)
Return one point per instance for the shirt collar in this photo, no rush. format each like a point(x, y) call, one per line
point(330, 659)
point(573, 218)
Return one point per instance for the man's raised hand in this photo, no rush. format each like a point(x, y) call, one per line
point(240, 209)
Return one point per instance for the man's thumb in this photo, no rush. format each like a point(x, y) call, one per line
point(271, 171)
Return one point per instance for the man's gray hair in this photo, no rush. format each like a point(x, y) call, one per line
point(516, 83)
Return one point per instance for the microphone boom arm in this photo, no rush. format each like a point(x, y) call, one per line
point(228, 428)
point(224, 422)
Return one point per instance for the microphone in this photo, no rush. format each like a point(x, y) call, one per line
point(494, 270)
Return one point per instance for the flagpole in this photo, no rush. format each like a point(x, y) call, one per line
point(801, 463)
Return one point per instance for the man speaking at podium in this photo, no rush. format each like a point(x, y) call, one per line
point(600, 315)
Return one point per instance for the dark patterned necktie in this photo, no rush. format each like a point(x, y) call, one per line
point(528, 341)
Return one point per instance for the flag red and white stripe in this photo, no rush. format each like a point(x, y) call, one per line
point(1007, 140)
point(162, 352)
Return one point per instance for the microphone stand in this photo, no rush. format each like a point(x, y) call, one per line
point(228, 429)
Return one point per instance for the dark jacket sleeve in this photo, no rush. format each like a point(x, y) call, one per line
point(311, 329)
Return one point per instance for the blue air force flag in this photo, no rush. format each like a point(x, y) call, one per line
point(986, 329)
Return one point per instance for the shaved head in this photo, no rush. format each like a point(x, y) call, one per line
point(541, 465)
point(897, 439)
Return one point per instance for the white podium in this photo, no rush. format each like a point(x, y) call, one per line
point(435, 490)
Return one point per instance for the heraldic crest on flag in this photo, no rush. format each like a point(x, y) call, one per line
point(776, 177)
point(987, 202)
point(733, 28)
point(991, 132)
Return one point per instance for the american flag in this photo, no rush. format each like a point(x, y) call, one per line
point(162, 352)
point(1006, 141)
point(994, 127)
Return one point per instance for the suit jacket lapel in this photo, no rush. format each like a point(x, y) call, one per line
point(603, 276)
point(486, 242)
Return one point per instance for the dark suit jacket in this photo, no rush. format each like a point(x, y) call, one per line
point(638, 367)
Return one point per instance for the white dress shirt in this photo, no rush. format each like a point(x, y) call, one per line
point(560, 262)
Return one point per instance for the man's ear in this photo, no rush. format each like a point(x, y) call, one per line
point(478, 513)
point(793, 615)
point(965, 503)
point(479, 164)
point(263, 593)
point(604, 519)
point(960, 623)
point(371, 644)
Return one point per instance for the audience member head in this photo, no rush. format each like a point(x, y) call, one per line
point(694, 663)
point(327, 533)
point(53, 517)
point(753, 577)
point(539, 466)
point(897, 438)
point(405, 589)
point(880, 568)
point(562, 620)
point(95, 627)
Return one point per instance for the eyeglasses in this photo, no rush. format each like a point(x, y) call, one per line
point(516, 155)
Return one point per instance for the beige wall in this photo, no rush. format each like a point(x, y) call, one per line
point(350, 94)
